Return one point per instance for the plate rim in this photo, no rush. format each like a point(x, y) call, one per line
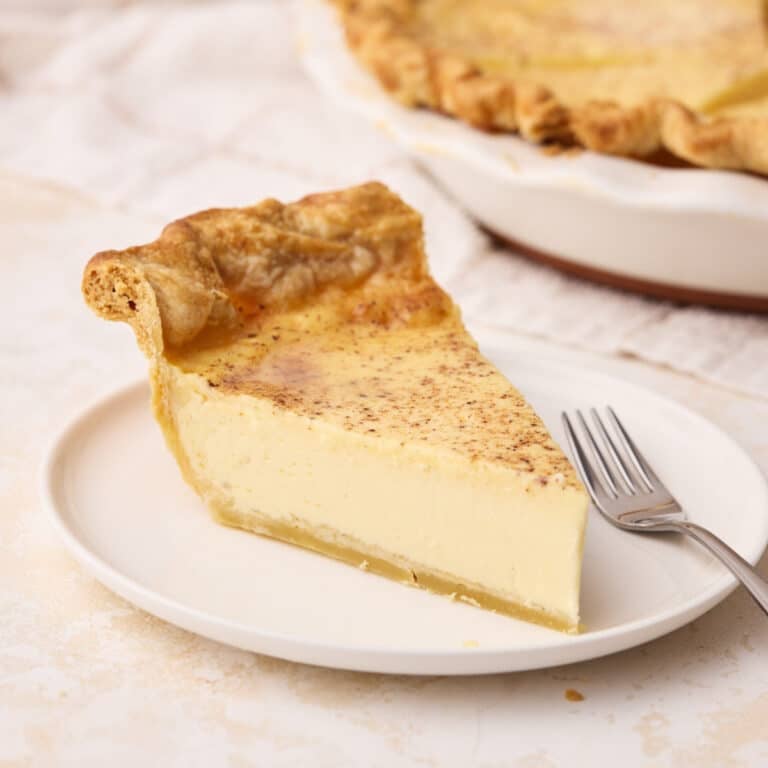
point(381, 658)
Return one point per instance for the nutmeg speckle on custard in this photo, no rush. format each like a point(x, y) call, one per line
point(325, 307)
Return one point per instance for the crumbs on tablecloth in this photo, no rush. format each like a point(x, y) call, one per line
point(573, 695)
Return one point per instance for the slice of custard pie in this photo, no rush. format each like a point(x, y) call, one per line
point(317, 386)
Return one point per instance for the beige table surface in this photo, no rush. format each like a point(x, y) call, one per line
point(115, 118)
point(87, 680)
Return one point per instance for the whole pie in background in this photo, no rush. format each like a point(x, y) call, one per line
point(688, 77)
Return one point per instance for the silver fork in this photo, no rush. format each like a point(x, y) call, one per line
point(629, 494)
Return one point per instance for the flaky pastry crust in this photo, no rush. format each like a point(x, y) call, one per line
point(421, 75)
point(209, 271)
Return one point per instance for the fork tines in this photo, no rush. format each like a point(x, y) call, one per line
point(618, 477)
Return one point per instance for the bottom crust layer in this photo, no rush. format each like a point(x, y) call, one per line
point(355, 554)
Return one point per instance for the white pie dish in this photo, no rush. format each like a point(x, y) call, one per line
point(690, 234)
point(117, 498)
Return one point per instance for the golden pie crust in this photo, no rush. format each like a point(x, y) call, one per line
point(631, 79)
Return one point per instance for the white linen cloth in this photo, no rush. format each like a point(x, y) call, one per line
point(167, 108)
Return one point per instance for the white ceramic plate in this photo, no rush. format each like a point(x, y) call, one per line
point(685, 229)
point(118, 500)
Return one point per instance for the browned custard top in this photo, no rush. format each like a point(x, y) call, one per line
point(325, 308)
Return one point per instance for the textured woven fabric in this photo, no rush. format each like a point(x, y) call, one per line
point(168, 108)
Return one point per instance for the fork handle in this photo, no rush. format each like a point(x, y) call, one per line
point(755, 584)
